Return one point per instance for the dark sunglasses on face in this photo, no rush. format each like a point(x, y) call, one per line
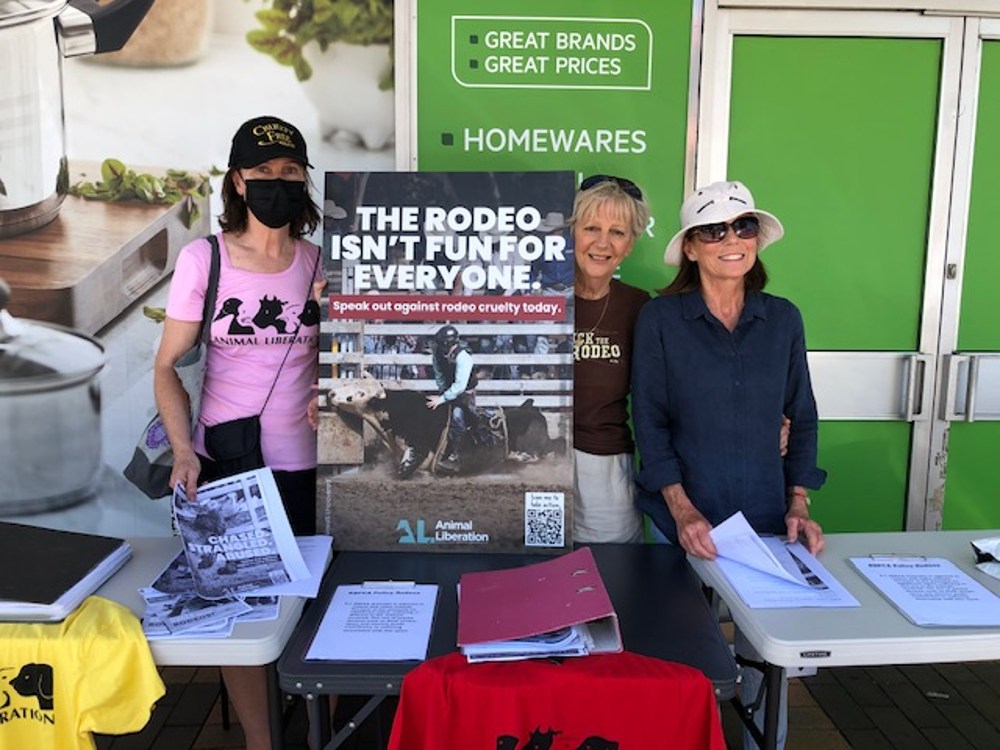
point(745, 227)
point(628, 187)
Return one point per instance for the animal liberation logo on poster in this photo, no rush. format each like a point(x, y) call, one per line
point(446, 371)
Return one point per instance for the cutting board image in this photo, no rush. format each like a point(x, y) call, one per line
point(86, 266)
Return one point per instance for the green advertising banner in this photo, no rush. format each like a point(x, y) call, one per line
point(596, 87)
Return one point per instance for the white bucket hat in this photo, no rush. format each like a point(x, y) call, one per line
point(721, 202)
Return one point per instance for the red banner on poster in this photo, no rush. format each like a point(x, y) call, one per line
point(422, 307)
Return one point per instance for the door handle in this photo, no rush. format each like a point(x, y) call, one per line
point(970, 399)
point(915, 396)
point(954, 363)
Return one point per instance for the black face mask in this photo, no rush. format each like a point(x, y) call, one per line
point(275, 202)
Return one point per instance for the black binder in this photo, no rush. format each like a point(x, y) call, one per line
point(46, 573)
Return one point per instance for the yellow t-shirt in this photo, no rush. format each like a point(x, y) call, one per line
point(59, 682)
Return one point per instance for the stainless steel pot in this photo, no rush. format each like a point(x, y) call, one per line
point(50, 414)
point(35, 35)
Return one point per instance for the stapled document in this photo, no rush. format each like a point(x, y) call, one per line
point(931, 591)
point(768, 572)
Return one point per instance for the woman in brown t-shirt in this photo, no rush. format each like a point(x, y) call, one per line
point(609, 214)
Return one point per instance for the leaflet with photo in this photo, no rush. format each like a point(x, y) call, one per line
point(211, 622)
point(174, 609)
point(190, 610)
point(236, 536)
point(263, 609)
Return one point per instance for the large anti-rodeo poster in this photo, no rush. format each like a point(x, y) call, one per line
point(446, 366)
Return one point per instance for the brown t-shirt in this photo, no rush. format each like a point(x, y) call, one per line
point(602, 355)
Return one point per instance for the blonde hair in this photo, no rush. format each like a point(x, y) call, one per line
point(633, 211)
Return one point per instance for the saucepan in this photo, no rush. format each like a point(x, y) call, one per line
point(50, 414)
point(35, 35)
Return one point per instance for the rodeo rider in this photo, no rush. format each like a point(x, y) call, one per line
point(456, 382)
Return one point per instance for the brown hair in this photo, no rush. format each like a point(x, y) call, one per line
point(688, 278)
point(633, 211)
point(234, 210)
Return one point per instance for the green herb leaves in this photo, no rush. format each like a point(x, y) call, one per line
point(119, 183)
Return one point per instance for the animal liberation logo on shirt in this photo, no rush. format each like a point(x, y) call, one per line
point(588, 345)
point(26, 695)
point(275, 319)
point(540, 740)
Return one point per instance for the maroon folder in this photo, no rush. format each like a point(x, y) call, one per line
point(500, 605)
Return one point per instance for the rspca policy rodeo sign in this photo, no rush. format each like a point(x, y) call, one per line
point(446, 365)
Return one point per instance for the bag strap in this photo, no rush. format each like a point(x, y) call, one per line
point(295, 333)
point(211, 291)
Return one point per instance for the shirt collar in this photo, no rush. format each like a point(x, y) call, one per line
point(754, 306)
point(693, 306)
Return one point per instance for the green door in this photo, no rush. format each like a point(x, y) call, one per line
point(971, 500)
point(834, 121)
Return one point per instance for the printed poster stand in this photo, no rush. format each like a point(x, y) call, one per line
point(473, 271)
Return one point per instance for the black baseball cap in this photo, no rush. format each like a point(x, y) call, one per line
point(264, 138)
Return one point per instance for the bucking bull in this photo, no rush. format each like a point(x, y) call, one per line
point(413, 432)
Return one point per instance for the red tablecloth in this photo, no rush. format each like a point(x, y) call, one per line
point(601, 702)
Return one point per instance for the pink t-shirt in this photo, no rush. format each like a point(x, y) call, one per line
point(256, 316)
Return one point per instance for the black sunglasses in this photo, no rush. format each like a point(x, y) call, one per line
point(628, 187)
point(745, 227)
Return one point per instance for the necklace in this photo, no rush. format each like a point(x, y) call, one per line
point(607, 299)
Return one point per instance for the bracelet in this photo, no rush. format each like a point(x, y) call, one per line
point(794, 493)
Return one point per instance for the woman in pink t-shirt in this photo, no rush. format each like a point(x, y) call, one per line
point(266, 308)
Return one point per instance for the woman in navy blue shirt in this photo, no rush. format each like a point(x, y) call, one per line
point(721, 362)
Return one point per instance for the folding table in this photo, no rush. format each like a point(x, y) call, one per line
point(661, 608)
point(875, 633)
point(251, 644)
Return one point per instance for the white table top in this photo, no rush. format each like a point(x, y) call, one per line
point(874, 633)
point(252, 643)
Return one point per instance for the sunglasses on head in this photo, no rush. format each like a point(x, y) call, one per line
point(745, 227)
point(628, 187)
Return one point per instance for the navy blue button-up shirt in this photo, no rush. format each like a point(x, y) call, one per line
point(707, 406)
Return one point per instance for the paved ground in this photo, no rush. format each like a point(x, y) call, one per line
point(189, 717)
point(918, 707)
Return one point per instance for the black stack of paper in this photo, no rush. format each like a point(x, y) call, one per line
point(46, 573)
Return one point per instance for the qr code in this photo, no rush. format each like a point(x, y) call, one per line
point(544, 519)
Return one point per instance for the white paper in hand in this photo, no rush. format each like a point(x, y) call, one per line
point(735, 540)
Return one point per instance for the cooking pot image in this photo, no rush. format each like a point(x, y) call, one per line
point(35, 35)
point(50, 414)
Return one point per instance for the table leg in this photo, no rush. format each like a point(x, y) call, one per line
point(768, 698)
point(772, 705)
point(318, 711)
point(275, 715)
